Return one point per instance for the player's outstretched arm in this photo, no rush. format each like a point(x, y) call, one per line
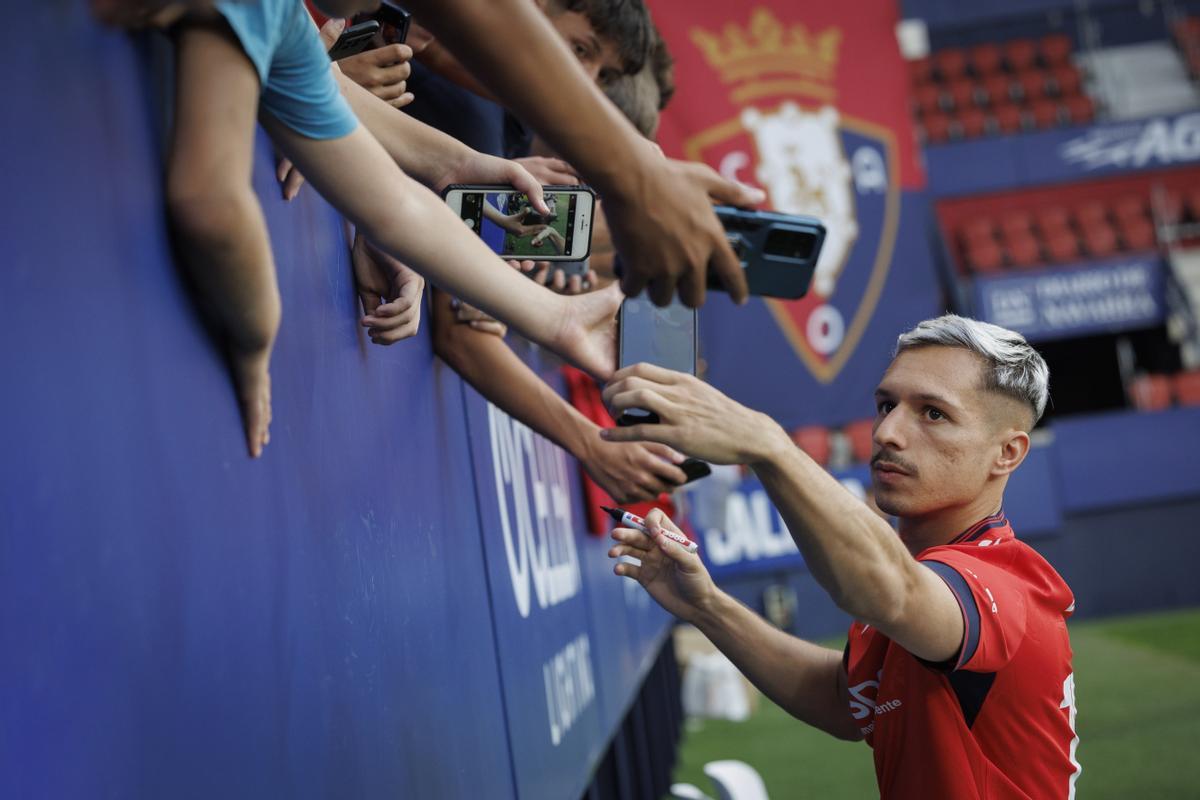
point(804, 679)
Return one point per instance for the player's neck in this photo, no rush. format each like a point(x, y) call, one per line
point(942, 526)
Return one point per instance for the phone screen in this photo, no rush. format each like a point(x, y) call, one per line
point(510, 226)
point(662, 336)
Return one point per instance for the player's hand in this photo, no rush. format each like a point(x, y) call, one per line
point(675, 578)
point(668, 236)
point(694, 418)
point(632, 472)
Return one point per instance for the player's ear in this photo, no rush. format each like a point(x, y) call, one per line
point(1014, 446)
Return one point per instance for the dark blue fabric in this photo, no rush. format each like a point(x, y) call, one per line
point(445, 105)
point(958, 585)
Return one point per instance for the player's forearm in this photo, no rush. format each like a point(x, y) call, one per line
point(802, 678)
point(423, 152)
point(497, 373)
point(542, 82)
point(851, 552)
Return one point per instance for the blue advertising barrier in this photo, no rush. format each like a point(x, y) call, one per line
point(336, 619)
point(1062, 155)
point(1118, 295)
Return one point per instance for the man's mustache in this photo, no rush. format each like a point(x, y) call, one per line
point(893, 458)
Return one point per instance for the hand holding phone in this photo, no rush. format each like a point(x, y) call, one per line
point(664, 336)
point(354, 40)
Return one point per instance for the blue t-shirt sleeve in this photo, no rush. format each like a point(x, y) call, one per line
point(298, 88)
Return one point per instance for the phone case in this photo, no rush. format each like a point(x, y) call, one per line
point(778, 252)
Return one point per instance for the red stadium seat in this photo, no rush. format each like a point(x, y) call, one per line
point(1045, 113)
point(1066, 80)
point(1008, 117)
point(998, 88)
point(1187, 387)
point(973, 121)
point(1016, 223)
point(1023, 249)
point(1020, 54)
point(984, 256)
point(1080, 109)
point(1033, 84)
point(985, 59)
point(1150, 392)
point(1130, 206)
point(1138, 234)
point(1051, 219)
point(936, 127)
point(950, 63)
point(1192, 200)
point(1062, 246)
point(920, 70)
point(1167, 206)
point(977, 229)
point(1090, 213)
point(861, 435)
point(928, 97)
point(962, 93)
point(1055, 49)
point(814, 440)
point(1099, 240)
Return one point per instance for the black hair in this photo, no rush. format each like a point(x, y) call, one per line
point(624, 22)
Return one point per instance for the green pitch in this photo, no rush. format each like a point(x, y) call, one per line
point(1138, 688)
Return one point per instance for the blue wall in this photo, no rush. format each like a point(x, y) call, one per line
point(335, 620)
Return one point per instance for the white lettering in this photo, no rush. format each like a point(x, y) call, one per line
point(1157, 141)
point(533, 494)
point(570, 687)
point(753, 529)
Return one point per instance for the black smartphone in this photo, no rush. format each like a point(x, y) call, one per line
point(666, 337)
point(395, 21)
point(354, 40)
point(778, 252)
point(695, 469)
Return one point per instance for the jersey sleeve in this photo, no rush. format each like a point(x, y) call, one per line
point(993, 601)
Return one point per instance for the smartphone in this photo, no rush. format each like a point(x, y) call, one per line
point(394, 19)
point(777, 251)
point(695, 469)
point(666, 337)
point(506, 220)
point(354, 40)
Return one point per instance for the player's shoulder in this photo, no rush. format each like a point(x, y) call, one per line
point(1006, 555)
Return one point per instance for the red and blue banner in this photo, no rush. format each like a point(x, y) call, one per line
point(808, 101)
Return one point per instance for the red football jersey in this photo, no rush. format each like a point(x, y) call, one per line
point(998, 722)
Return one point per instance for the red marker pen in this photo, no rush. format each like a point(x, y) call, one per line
point(629, 520)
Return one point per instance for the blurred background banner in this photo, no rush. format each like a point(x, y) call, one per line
point(808, 101)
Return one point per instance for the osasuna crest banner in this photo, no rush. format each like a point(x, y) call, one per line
point(809, 101)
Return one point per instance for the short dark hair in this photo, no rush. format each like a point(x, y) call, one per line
point(624, 22)
point(640, 97)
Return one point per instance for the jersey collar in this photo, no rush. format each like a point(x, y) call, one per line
point(997, 525)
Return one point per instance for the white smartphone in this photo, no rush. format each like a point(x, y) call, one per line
point(505, 219)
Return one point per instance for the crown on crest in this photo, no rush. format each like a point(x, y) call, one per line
point(768, 47)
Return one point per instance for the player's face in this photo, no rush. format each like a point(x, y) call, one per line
point(935, 437)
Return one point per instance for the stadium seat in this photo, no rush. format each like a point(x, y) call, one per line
point(1090, 213)
point(1138, 234)
point(1023, 249)
point(998, 88)
point(1150, 392)
point(1129, 206)
point(814, 440)
point(1187, 387)
point(985, 59)
point(1080, 109)
point(861, 436)
point(973, 122)
point(984, 257)
point(1066, 80)
point(1020, 54)
point(1062, 246)
point(1016, 222)
point(1045, 113)
point(1099, 239)
point(1051, 220)
point(950, 63)
point(1167, 206)
point(1192, 201)
point(936, 127)
point(962, 93)
point(928, 97)
point(1033, 84)
point(1008, 117)
point(920, 70)
point(977, 229)
point(1055, 49)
